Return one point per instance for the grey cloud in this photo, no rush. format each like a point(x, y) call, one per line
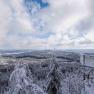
point(81, 28)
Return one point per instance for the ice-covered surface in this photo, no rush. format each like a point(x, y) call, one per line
point(21, 81)
point(45, 73)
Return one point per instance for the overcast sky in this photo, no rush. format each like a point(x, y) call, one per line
point(46, 24)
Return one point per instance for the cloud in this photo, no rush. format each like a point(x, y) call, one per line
point(4, 20)
point(90, 36)
point(61, 24)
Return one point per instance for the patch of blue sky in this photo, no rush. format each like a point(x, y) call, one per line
point(41, 3)
point(19, 34)
point(18, 31)
point(34, 6)
point(43, 35)
point(40, 25)
point(40, 35)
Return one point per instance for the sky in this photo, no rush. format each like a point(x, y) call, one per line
point(46, 24)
